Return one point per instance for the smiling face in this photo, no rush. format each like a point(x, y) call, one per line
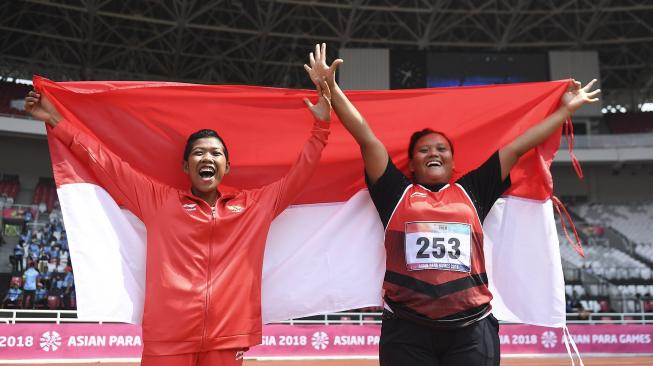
point(432, 161)
point(206, 165)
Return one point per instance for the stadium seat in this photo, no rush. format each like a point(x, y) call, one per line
point(53, 302)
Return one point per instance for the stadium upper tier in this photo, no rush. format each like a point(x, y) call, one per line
point(633, 220)
point(608, 263)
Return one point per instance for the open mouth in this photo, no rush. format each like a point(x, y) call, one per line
point(207, 172)
point(432, 164)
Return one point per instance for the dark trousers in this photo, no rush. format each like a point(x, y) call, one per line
point(405, 343)
point(28, 299)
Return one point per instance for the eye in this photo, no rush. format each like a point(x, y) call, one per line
point(424, 150)
point(197, 153)
point(217, 153)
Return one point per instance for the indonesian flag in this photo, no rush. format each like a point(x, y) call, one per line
point(324, 253)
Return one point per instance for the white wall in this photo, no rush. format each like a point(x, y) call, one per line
point(582, 66)
point(607, 183)
point(364, 69)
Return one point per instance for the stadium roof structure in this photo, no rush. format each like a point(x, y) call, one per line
point(265, 42)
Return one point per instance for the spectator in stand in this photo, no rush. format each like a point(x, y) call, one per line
point(19, 252)
point(39, 235)
point(55, 250)
point(27, 216)
point(33, 256)
point(13, 298)
point(46, 277)
point(42, 208)
point(34, 249)
point(41, 296)
point(55, 214)
point(30, 277)
point(573, 304)
point(69, 289)
point(63, 242)
point(57, 287)
point(53, 266)
point(64, 258)
point(44, 258)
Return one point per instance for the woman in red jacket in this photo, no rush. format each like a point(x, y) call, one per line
point(205, 244)
point(436, 295)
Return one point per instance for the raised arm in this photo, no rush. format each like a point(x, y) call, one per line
point(126, 185)
point(375, 155)
point(575, 97)
point(285, 190)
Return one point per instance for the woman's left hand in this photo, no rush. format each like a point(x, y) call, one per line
point(322, 109)
point(575, 96)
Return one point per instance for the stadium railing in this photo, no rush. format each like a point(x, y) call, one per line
point(610, 141)
point(13, 316)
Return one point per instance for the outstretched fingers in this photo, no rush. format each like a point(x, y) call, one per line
point(311, 59)
point(323, 53)
point(334, 65)
point(318, 53)
point(589, 85)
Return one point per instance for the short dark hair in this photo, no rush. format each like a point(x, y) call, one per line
point(421, 133)
point(200, 135)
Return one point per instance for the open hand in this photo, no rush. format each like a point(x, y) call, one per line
point(322, 109)
point(575, 96)
point(319, 70)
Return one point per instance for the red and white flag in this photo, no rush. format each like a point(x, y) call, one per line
point(325, 253)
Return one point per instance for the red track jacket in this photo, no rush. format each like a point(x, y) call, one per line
point(204, 264)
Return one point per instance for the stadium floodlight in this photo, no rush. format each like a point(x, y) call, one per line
point(17, 81)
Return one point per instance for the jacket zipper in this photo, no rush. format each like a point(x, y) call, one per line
point(208, 278)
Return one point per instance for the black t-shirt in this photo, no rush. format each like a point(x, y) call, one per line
point(483, 185)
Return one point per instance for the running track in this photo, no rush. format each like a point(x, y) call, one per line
point(595, 361)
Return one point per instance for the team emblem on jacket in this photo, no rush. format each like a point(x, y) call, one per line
point(190, 206)
point(234, 208)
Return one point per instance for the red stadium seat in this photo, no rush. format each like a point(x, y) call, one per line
point(648, 306)
point(53, 302)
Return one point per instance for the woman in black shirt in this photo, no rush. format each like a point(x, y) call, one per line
point(436, 296)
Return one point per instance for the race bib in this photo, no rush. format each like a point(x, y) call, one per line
point(438, 245)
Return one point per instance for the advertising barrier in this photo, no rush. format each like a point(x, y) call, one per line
point(94, 341)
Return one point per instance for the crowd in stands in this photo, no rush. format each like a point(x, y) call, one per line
point(606, 262)
point(42, 273)
point(612, 278)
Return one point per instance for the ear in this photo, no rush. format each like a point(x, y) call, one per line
point(411, 167)
point(227, 168)
point(185, 167)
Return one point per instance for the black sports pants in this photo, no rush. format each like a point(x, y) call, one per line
point(405, 343)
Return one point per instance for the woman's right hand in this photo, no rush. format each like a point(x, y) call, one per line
point(322, 109)
point(41, 108)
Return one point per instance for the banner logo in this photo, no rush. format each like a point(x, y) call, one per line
point(549, 339)
point(50, 341)
point(320, 340)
